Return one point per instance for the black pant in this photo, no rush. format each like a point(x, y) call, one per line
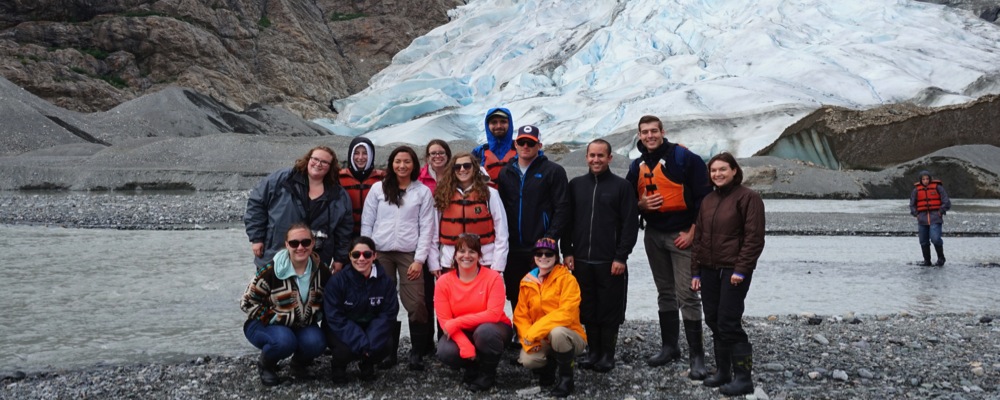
point(342, 354)
point(602, 295)
point(724, 304)
point(520, 261)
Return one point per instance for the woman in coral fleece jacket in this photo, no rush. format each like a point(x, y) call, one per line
point(469, 302)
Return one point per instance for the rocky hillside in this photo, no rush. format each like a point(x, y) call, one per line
point(91, 56)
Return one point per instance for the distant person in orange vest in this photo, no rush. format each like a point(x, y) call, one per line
point(359, 176)
point(498, 150)
point(671, 181)
point(929, 202)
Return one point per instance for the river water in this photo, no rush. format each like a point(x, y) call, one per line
point(76, 297)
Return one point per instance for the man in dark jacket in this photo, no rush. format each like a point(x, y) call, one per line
point(601, 233)
point(533, 191)
point(670, 182)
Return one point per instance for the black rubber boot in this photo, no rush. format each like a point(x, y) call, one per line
point(593, 354)
point(609, 342)
point(564, 386)
point(469, 372)
point(299, 368)
point(723, 367)
point(487, 373)
point(926, 250)
point(366, 370)
point(420, 335)
point(742, 382)
point(268, 371)
point(696, 347)
point(669, 330)
point(547, 374)
point(939, 249)
point(393, 358)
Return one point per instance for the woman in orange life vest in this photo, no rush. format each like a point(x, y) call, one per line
point(436, 158)
point(465, 204)
point(359, 176)
point(929, 202)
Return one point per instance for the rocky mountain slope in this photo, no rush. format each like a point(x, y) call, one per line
point(91, 56)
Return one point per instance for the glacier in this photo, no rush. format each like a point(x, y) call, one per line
point(723, 74)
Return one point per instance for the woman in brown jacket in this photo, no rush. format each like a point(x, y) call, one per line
point(727, 244)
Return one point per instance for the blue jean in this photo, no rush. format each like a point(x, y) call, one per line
point(929, 234)
point(278, 341)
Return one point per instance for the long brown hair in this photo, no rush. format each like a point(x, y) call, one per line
point(448, 184)
point(302, 164)
point(390, 184)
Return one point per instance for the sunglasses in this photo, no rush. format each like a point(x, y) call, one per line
point(459, 167)
point(545, 254)
point(526, 143)
point(362, 254)
point(304, 242)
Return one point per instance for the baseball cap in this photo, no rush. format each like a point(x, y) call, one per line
point(527, 132)
point(547, 244)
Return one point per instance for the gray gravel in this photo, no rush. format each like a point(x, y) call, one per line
point(898, 356)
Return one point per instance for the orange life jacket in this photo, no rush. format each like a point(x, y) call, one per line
point(357, 192)
point(467, 215)
point(928, 197)
point(494, 165)
point(656, 180)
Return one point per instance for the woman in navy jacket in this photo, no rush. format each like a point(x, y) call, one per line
point(360, 304)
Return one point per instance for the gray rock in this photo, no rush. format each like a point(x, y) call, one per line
point(840, 375)
point(865, 373)
point(819, 338)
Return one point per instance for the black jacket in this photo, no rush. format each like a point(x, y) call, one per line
point(536, 203)
point(604, 225)
point(360, 311)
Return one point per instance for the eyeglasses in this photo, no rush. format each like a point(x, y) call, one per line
point(526, 143)
point(321, 162)
point(544, 254)
point(461, 166)
point(362, 254)
point(304, 242)
point(437, 153)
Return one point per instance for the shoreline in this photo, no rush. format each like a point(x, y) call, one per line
point(224, 210)
point(843, 357)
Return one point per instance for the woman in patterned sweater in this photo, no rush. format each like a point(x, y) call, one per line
point(284, 303)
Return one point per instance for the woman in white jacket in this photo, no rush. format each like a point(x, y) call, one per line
point(399, 216)
point(466, 204)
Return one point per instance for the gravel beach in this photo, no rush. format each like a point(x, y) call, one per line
point(948, 356)
point(898, 356)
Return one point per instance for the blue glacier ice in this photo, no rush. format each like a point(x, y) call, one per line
point(723, 74)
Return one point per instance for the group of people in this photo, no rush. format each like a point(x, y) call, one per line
point(457, 238)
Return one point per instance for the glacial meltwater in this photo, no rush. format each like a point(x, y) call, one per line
point(74, 297)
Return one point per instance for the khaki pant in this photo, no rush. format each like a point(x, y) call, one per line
point(671, 269)
point(561, 340)
point(411, 293)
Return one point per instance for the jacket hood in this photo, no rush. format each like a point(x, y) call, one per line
point(361, 173)
point(926, 173)
point(496, 144)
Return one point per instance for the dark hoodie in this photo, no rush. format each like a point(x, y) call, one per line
point(499, 146)
point(361, 174)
